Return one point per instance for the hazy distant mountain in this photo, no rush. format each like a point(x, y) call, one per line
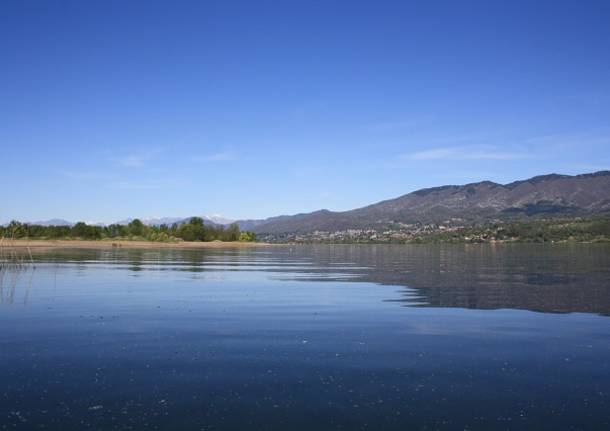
point(547, 195)
point(154, 221)
point(213, 219)
point(218, 219)
point(53, 222)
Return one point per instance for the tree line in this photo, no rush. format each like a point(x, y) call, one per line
point(193, 230)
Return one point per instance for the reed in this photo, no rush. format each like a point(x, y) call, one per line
point(14, 257)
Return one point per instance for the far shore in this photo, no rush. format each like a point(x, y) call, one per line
point(109, 243)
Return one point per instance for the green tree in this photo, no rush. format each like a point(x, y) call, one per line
point(136, 227)
point(232, 232)
point(196, 221)
point(187, 232)
point(247, 237)
point(80, 230)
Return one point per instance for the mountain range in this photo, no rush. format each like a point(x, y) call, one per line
point(551, 195)
point(542, 196)
point(213, 219)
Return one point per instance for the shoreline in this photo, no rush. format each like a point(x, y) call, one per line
point(37, 244)
point(106, 243)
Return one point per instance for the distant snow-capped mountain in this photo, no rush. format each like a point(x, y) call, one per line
point(53, 222)
point(218, 219)
point(157, 221)
point(154, 221)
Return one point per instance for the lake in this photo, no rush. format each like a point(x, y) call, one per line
point(512, 336)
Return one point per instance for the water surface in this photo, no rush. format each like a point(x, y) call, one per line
point(308, 337)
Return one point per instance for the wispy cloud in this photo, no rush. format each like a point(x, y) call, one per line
point(136, 159)
point(586, 167)
point(223, 156)
point(131, 161)
point(466, 153)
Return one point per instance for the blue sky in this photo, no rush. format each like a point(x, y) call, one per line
point(252, 109)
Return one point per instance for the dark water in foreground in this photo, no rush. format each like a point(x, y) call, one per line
point(308, 338)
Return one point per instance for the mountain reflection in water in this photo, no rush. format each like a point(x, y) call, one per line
point(547, 278)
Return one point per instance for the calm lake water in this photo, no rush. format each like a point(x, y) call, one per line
point(308, 338)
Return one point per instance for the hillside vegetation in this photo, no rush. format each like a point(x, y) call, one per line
point(578, 230)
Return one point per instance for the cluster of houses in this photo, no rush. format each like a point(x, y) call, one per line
point(397, 234)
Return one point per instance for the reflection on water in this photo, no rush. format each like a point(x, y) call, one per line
point(547, 278)
point(308, 337)
point(10, 279)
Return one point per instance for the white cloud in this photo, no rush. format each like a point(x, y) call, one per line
point(138, 159)
point(466, 153)
point(131, 161)
point(586, 167)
